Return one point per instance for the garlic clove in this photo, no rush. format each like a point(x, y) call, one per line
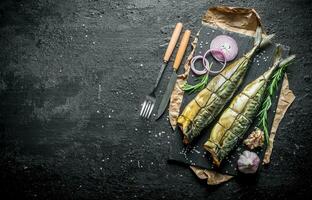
point(248, 162)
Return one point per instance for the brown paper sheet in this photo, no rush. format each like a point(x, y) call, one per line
point(244, 21)
point(177, 93)
point(212, 177)
point(235, 19)
point(285, 100)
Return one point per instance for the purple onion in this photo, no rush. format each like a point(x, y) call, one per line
point(227, 45)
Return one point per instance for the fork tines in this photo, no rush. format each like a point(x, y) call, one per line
point(147, 108)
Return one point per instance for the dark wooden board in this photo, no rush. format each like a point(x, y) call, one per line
point(195, 154)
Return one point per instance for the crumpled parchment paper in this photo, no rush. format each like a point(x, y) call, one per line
point(244, 21)
point(285, 100)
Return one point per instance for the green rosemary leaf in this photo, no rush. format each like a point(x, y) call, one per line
point(267, 103)
point(198, 86)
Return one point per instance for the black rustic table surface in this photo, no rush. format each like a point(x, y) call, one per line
point(73, 75)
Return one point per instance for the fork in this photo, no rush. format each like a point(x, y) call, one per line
point(150, 99)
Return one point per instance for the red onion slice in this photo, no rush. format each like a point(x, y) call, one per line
point(222, 55)
point(196, 71)
point(227, 45)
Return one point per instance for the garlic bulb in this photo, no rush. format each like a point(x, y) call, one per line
point(255, 139)
point(248, 162)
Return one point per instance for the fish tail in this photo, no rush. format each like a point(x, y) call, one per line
point(278, 62)
point(285, 62)
point(277, 55)
point(266, 40)
point(258, 36)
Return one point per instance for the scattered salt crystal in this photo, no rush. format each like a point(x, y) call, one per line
point(154, 114)
point(102, 126)
point(159, 134)
point(130, 57)
point(83, 25)
point(86, 35)
point(98, 111)
point(93, 42)
point(101, 16)
point(113, 111)
point(109, 116)
point(196, 151)
point(131, 161)
point(156, 135)
point(168, 142)
point(152, 163)
point(101, 168)
point(149, 131)
point(136, 129)
point(139, 164)
point(141, 65)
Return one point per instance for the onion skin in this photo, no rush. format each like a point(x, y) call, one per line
point(248, 162)
point(227, 45)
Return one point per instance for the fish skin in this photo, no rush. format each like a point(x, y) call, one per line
point(209, 102)
point(237, 118)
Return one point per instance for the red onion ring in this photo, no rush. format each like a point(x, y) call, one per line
point(196, 71)
point(215, 51)
point(227, 45)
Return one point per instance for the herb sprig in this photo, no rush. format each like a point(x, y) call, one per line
point(203, 81)
point(263, 114)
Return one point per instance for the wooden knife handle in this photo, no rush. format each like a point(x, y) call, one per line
point(181, 50)
point(173, 41)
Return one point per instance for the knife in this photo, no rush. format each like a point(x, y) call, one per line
point(172, 43)
point(166, 97)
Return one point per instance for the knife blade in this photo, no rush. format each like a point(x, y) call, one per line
point(166, 97)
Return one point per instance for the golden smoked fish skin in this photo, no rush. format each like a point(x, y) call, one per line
point(208, 103)
point(237, 118)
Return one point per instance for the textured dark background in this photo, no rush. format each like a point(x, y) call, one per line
point(72, 77)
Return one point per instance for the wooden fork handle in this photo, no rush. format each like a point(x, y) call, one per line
point(173, 41)
point(181, 50)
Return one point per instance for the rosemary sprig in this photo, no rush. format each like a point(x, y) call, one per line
point(203, 81)
point(263, 114)
point(198, 86)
